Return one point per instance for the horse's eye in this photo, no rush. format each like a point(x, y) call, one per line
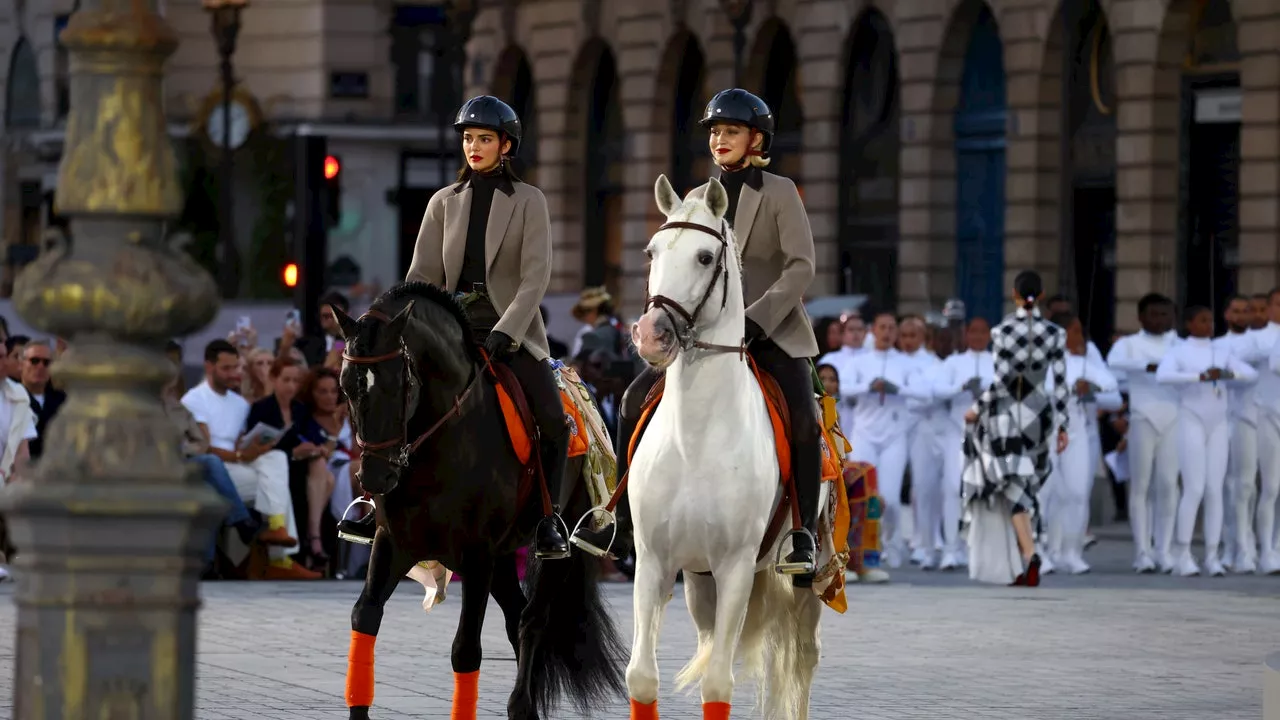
point(705, 257)
point(649, 254)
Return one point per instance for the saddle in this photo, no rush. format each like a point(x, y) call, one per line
point(829, 580)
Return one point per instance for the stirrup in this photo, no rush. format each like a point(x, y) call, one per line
point(357, 539)
point(796, 568)
point(587, 547)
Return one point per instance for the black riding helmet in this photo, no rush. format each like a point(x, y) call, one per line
point(487, 111)
point(738, 105)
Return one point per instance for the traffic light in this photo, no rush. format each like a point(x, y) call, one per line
point(332, 190)
point(290, 275)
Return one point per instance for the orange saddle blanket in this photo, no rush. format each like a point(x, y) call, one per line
point(520, 421)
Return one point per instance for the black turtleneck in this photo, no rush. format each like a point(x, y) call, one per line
point(482, 187)
point(733, 180)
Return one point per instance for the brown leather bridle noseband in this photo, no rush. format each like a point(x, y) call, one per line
point(687, 338)
point(400, 458)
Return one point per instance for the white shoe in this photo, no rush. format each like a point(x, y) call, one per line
point(1244, 564)
point(930, 560)
point(1269, 564)
point(1143, 564)
point(892, 557)
point(850, 577)
point(919, 556)
point(1046, 565)
point(1090, 541)
point(874, 576)
point(1186, 567)
point(1213, 568)
point(1076, 565)
point(1166, 564)
point(950, 561)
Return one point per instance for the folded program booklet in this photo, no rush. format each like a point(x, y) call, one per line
point(260, 433)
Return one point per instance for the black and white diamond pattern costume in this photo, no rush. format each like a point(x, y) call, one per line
point(1007, 449)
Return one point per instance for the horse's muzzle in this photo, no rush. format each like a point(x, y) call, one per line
point(377, 476)
point(655, 339)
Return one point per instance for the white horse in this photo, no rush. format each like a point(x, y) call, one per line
point(704, 481)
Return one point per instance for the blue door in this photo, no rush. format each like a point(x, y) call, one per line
point(980, 169)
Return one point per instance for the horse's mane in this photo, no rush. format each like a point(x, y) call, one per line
point(414, 290)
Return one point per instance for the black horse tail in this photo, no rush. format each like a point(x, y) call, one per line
point(568, 638)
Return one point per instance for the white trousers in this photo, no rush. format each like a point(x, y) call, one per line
point(1269, 468)
point(1202, 456)
point(1241, 491)
point(264, 485)
point(1069, 489)
point(1153, 486)
point(926, 486)
point(952, 469)
point(890, 460)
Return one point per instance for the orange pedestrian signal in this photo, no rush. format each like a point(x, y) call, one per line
point(331, 167)
point(291, 275)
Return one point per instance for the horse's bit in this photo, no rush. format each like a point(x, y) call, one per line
point(406, 450)
point(688, 338)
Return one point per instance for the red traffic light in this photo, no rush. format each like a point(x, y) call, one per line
point(291, 275)
point(331, 167)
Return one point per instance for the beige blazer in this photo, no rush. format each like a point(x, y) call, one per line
point(776, 244)
point(517, 255)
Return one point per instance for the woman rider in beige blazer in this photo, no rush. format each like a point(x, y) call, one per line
point(773, 234)
point(487, 239)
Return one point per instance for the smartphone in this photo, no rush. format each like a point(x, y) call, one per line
point(243, 324)
point(294, 318)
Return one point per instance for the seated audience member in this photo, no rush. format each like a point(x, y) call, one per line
point(260, 471)
point(310, 481)
point(45, 399)
point(195, 448)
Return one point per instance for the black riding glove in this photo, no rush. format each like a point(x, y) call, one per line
point(754, 331)
point(499, 345)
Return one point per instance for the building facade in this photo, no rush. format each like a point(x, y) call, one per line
point(1118, 147)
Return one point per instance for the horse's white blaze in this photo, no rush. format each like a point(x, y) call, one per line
point(368, 380)
point(703, 483)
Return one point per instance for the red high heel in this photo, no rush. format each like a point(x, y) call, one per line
point(1033, 571)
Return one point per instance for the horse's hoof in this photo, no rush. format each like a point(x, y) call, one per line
point(359, 712)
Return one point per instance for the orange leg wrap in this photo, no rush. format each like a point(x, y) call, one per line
point(715, 711)
point(466, 694)
point(360, 670)
point(642, 711)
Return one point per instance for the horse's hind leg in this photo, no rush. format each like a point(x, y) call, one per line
point(387, 564)
point(733, 592)
point(700, 598)
point(477, 568)
point(653, 584)
point(506, 591)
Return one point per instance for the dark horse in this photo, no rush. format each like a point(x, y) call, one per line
point(448, 488)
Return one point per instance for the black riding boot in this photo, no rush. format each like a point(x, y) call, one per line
point(549, 542)
point(359, 531)
point(801, 562)
point(597, 542)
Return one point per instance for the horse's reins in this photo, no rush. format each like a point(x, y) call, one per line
point(688, 338)
point(406, 450)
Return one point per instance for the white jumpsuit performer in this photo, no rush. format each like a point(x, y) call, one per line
point(1241, 490)
point(1267, 397)
point(954, 384)
point(1203, 443)
point(1073, 473)
point(880, 424)
point(1153, 447)
point(924, 457)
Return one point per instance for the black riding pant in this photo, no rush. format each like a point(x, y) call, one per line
point(795, 380)
point(543, 394)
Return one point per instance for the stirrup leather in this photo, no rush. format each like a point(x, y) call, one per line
point(587, 547)
point(796, 568)
point(357, 539)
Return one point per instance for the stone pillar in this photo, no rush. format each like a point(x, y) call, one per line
point(1257, 22)
point(110, 530)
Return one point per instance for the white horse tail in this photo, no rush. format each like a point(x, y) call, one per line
point(780, 645)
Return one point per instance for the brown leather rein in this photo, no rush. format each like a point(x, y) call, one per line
point(687, 338)
point(406, 451)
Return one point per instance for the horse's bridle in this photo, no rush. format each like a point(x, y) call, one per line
point(688, 337)
point(409, 378)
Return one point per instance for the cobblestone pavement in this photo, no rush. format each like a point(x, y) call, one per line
point(1109, 645)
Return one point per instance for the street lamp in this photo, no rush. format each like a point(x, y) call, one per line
point(739, 12)
point(225, 25)
point(110, 529)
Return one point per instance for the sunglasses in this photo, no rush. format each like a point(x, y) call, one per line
point(39, 361)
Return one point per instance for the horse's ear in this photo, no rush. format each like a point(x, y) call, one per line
point(345, 323)
point(398, 323)
point(717, 198)
point(666, 195)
